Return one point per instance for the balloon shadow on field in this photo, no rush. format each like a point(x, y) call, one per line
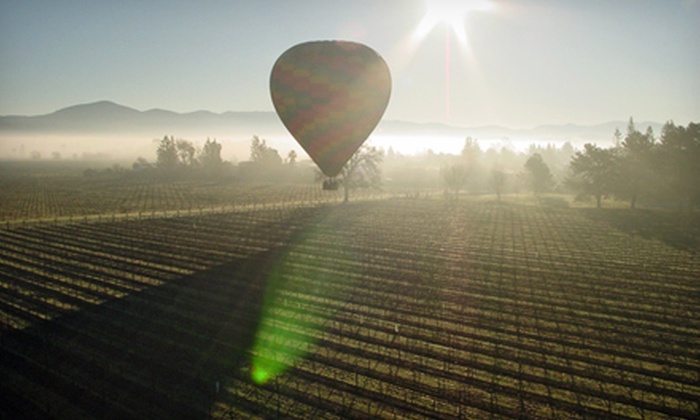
point(163, 352)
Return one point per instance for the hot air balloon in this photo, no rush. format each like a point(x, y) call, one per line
point(330, 95)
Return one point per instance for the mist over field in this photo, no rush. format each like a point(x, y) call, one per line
point(106, 130)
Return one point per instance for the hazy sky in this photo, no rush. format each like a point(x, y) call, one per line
point(526, 62)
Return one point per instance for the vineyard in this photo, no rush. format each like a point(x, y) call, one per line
point(392, 308)
point(42, 196)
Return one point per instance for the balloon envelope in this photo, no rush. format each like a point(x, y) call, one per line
point(330, 95)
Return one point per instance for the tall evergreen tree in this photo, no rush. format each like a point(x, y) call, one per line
point(167, 156)
point(210, 157)
point(634, 167)
point(679, 156)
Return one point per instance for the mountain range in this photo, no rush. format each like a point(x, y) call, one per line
point(107, 118)
point(110, 117)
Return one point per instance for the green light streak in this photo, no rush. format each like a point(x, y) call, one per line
point(276, 346)
point(260, 375)
point(284, 332)
point(289, 323)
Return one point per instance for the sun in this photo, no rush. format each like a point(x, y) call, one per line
point(453, 16)
point(453, 13)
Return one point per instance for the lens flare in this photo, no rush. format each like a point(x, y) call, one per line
point(278, 343)
point(453, 14)
point(290, 322)
point(260, 375)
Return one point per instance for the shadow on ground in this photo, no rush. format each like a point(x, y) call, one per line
point(158, 353)
point(554, 202)
point(679, 230)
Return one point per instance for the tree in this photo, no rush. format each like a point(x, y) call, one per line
point(539, 175)
point(498, 181)
point(262, 154)
point(141, 164)
point(362, 170)
point(679, 162)
point(265, 161)
point(186, 152)
point(592, 172)
point(617, 135)
point(454, 177)
point(291, 158)
point(634, 164)
point(471, 152)
point(173, 154)
point(167, 156)
point(472, 156)
point(210, 157)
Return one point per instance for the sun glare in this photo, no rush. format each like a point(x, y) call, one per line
point(453, 13)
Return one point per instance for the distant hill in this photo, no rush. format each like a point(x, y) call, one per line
point(109, 117)
point(106, 116)
point(102, 120)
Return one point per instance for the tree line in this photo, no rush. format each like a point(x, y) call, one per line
point(177, 156)
point(363, 170)
point(641, 167)
point(502, 170)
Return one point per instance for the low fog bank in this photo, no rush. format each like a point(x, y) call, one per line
point(410, 162)
point(108, 130)
point(106, 147)
point(638, 166)
point(236, 147)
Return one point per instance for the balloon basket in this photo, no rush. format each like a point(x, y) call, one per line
point(330, 185)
